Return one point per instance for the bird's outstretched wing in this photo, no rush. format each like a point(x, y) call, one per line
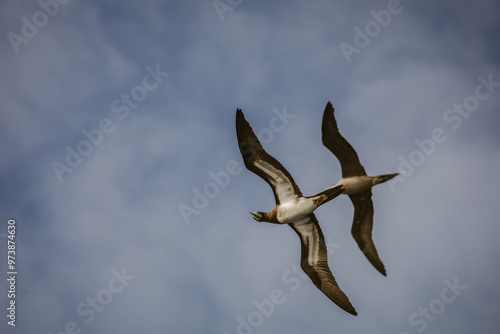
point(333, 140)
point(362, 227)
point(257, 160)
point(314, 262)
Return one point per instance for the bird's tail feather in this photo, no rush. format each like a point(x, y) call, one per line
point(329, 193)
point(386, 177)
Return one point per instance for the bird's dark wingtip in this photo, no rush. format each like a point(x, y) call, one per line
point(378, 264)
point(240, 118)
point(329, 107)
point(328, 124)
point(328, 117)
point(350, 309)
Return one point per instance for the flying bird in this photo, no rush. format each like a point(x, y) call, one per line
point(357, 185)
point(294, 209)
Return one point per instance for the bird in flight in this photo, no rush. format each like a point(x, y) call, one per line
point(294, 209)
point(357, 185)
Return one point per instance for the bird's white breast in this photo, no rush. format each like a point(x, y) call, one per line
point(295, 210)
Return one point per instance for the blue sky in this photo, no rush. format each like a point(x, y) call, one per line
point(117, 115)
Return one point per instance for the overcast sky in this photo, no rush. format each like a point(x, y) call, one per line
point(121, 169)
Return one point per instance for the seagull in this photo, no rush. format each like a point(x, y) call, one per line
point(357, 185)
point(293, 209)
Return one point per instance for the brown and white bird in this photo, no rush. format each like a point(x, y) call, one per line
point(294, 209)
point(357, 185)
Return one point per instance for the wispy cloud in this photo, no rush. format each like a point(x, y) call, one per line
point(119, 208)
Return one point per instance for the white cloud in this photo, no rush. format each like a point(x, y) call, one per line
point(119, 208)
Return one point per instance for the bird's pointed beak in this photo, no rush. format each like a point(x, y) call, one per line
point(257, 216)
